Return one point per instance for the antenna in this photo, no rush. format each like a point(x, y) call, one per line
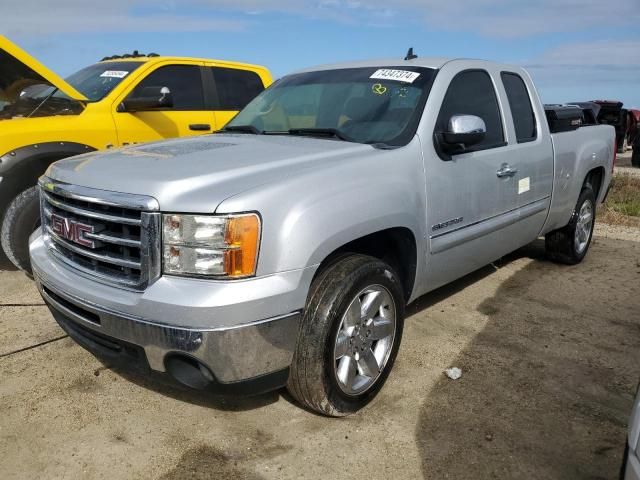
point(410, 55)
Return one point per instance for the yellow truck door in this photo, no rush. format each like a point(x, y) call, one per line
point(187, 115)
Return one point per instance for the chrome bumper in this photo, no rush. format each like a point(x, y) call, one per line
point(233, 354)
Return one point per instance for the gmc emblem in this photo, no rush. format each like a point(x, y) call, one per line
point(72, 230)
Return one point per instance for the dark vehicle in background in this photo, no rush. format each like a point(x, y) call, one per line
point(635, 158)
point(633, 126)
point(609, 112)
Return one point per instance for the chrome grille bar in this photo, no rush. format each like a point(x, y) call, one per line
point(89, 254)
point(91, 213)
point(116, 240)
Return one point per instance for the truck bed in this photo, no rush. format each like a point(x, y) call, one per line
point(576, 153)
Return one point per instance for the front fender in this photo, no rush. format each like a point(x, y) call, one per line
point(309, 215)
point(21, 167)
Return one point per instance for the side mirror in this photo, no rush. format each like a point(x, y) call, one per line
point(150, 98)
point(463, 131)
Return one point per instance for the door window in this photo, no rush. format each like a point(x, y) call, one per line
point(524, 119)
point(183, 81)
point(236, 88)
point(472, 93)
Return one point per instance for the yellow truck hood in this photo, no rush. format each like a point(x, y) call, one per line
point(10, 86)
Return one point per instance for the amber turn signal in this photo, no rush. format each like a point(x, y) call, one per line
point(242, 238)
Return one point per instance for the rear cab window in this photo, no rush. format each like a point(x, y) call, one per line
point(471, 92)
point(524, 119)
point(235, 87)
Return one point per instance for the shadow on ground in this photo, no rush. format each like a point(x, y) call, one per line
point(548, 385)
point(234, 403)
point(5, 264)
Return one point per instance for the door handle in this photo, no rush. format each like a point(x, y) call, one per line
point(506, 170)
point(200, 127)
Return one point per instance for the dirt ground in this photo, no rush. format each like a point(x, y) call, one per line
point(550, 358)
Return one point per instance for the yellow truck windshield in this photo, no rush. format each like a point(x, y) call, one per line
point(96, 81)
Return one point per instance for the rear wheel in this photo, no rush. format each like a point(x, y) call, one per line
point(20, 220)
point(570, 244)
point(349, 338)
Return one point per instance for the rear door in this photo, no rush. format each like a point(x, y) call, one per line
point(531, 156)
point(189, 114)
point(230, 90)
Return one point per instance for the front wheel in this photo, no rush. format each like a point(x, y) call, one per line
point(570, 244)
point(20, 220)
point(349, 338)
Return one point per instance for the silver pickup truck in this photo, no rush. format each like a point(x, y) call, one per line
point(283, 250)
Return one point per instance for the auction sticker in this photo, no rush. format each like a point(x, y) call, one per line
point(114, 74)
point(524, 185)
point(405, 76)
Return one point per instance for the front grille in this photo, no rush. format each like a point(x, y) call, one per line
point(111, 236)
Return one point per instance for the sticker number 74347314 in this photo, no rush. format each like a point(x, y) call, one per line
point(405, 76)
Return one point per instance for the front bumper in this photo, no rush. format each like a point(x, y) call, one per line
point(232, 347)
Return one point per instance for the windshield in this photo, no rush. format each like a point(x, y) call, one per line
point(375, 105)
point(24, 93)
point(96, 81)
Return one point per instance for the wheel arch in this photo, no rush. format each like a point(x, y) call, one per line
point(396, 246)
point(25, 164)
point(595, 177)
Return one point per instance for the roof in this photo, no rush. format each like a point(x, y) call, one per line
point(160, 58)
point(426, 62)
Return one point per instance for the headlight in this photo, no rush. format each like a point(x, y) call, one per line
point(224, 246)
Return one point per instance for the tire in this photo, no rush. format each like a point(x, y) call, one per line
point(317, 367)
point(20, 220)
point(635, 157)
point(569, 245)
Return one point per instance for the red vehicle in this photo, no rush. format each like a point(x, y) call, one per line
point(633, 126)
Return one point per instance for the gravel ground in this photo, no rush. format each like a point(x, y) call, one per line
point(550, 357)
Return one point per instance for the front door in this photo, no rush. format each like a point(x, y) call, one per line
point(468, 198)
point(188, 115)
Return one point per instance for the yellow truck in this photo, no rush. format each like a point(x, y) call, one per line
point(121, 100)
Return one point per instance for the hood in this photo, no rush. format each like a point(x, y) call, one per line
point(197, 174)
point(20, 71)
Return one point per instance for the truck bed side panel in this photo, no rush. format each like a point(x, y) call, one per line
point(576, 153)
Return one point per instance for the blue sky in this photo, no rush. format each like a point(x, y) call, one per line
point(574, 49)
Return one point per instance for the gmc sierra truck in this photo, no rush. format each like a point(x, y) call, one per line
point(283, 250)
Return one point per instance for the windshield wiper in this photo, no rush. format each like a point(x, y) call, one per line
point(324, 132)
point(381, 145)
point(243, 129)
